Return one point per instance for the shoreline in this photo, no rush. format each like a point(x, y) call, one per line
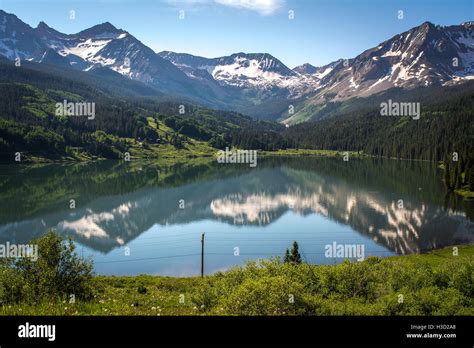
point(186, 155)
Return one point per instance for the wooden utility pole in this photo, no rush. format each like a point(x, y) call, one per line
point(202, 255)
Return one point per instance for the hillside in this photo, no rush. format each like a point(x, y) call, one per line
point(146, 126)
point(445, 125)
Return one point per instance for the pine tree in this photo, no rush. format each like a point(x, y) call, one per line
point(295, 256)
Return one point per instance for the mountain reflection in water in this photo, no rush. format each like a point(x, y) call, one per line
point(392, 207)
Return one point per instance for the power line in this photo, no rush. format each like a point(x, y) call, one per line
point(166, 242)
point(217, 254)
point(171, 235)
point(147, 258)
point(271, 239)
point(277, 254)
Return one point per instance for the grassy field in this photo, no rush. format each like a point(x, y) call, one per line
point(437, 283)
point(192, 149)
point(137, 150)
point(309, 152)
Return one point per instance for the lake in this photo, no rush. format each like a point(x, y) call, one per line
point(143, 217)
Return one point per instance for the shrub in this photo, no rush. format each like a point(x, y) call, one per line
point(371, 287)
point(11, 285)
point(142, 289)
point(205, 297)
point(266, 296)
point(435, 301)
point(57, 273)
point(461, 278)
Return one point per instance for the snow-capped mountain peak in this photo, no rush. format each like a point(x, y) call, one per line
point(422, 56)
point(254, 71)
point(305, 69)
point(101, 31)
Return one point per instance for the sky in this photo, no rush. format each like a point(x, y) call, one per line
point(319, 32)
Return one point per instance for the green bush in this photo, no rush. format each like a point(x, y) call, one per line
point(142, 289)
point(12, 287)
point(461, 278)
point(371, 287)
point(57, 273)
point(205, 297)
point(266, 296)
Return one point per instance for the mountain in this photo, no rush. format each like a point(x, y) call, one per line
point(152, 126)
point(101, 46)
point(243, 70)
point(257, 84)
point(255, 74)
point(423, 56)
point(305, 69)
point(18, 39)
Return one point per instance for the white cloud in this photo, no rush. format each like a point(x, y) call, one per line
point(264, 7)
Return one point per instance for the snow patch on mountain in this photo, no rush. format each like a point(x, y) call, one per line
point(86, 50)
point(353, 84)
point(255, 71)
point(248, 72)
point(392, 54)
point(321, 75)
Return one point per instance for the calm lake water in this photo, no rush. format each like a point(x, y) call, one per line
point(147, 218)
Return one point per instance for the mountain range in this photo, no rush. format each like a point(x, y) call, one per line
point(256, 84)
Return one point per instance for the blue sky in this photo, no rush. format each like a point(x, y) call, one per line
point(321, 31)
